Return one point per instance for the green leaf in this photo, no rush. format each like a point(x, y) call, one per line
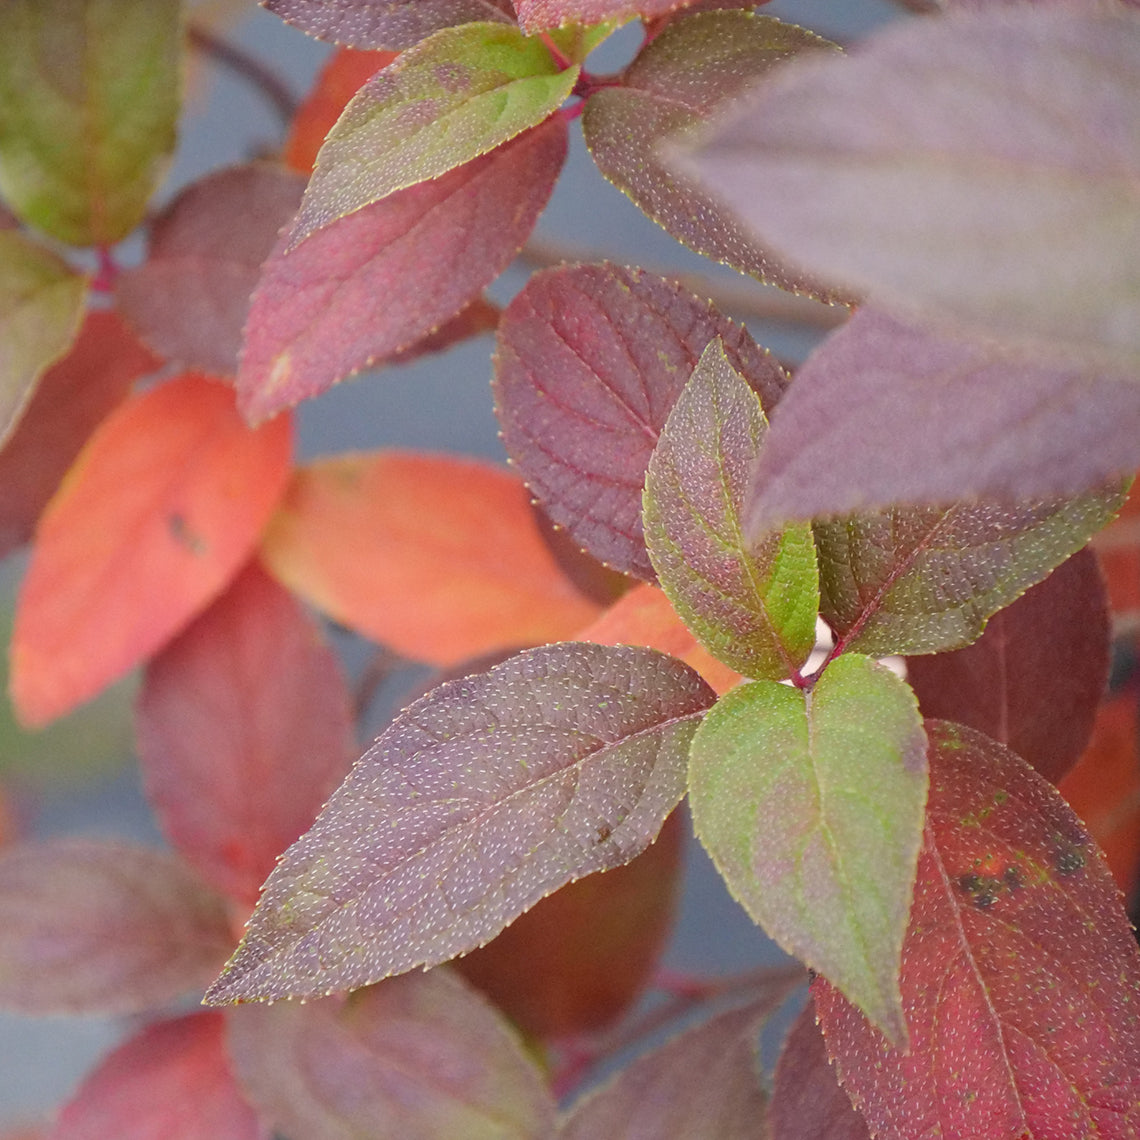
point(89, 98)
point(576, 41)
point(454, 96)
point(41, 308)
point(811, 806)
point(925, 579)
point(753, 607)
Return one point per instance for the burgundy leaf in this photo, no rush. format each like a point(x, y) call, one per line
point(172, 1081)
point(1021, 975)
point(421, 1057)
point(590, 361)
point(244, 729)
point(536, 15)
point(379, 280)
point(884, 412)
point(1034, 679)
point(479, 800)
point(480, 316)
point(190, 297)
point(91, 926)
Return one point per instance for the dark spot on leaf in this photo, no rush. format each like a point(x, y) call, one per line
point(184, 536)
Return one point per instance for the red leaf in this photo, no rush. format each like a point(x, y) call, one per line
point(244, 729)
point(172, 1081)
point(160, 509)
point(373, 283)
point(70, 400)
point(1021, 976)
point(438, 557)
point(1034, 679)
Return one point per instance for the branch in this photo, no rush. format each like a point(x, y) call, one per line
point(246, 67)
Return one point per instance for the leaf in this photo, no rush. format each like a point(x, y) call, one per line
point(539, 15)
point(425, 1057)
point(89, 99)
point(190, 297)
point(244, 729)
point(807, 1102)
point(811, 808)
point(1021, 978)
point(438, 557)
point(479, 800)
point(161, 508)
point(70, 400)
point(172, 1081)
point(697, 66)
point(441, 104)
point(941, 169)
point(753, 607)
point(1034, 679)
point(924, 579)
point(390, 24)
point(957, 420)
point(93, 926)
point(589, 362)
point(377, 282)
point(577, 961)
point(41, 308)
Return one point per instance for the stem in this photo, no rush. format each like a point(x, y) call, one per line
point(107, 272)
point(246, 67)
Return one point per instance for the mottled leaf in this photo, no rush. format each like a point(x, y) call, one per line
point(807, 1102)
point(811, 808)
point(456, 96)
point(41, 307)
point(925, 579)
point(590, 361)
point(94, 926)
point(161, 508)
point(190, 297)
point(479, 800)
point(421, 1057)
point(697, 66)
point(576, 961)
point(172, 1081)
point(538, 15)
point(70, 400)
point(89, 97)
point(390, 24)
point(1021, 977)
point(244, 729)
point(1034, 679)
point(985, 168)
point(753, 606)
point(378, 281)
point(885, 413)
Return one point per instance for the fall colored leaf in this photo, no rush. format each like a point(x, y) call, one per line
point(172, 1081)
point(94, 926)
point(189, 299)
point(480, 799)
point(1020, 978)
point(70, 400)
point(244, 730)
point(1034, 679)
point(752, 605)
point(576, 961)
point(539, 15)
point(162, 506)
point(811, 807)
point(374, 283)
point(590, 360)
point(425, 1057)
point(89, 100)
point(438, 557)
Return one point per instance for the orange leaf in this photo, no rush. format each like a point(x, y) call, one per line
point(340, 79)
point(645, 616)
point(439, 558)
point(161, 508)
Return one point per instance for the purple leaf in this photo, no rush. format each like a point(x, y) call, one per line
point(884, 412)
point(590, 360)
point(422, 1057)
point(478, 800)
point(90, 926)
